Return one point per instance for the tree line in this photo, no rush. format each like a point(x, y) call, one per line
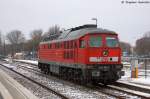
point(143, 45)
point(15, 41)
point(141, 48)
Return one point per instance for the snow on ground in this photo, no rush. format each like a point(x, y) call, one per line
point(126, 78)
point(9, 65)
point(70, 90)
point(29, 61)
point(40, 92)
point(143, 81)
point(6, 59)
point(140, 81)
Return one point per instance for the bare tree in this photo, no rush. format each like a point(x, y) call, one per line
point(15, 38)
point(147, 34)
point(36, 36)
point(1, 47)
point(53, 33)
point(143, 45)
point(0, 38)
point(126, 47)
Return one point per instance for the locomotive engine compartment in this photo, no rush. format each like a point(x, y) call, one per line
point(86, 52)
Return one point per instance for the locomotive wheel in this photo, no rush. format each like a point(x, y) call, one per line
point(44, 70)
point(77, 75)
point(84, 81)
point(94, 82)
point(69, 74)
point(63, 73)
point(47, 69)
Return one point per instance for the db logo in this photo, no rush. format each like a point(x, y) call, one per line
point(105, 53)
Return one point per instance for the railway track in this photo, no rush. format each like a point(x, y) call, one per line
point(132, 87)
point(113, 91)
point(64, 82)
point(99, 90)
point(41, 85)
point(102, 89)
point(24, 66)
point(120, 87)
point(123, 93)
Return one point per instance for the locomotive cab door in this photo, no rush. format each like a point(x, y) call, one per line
point(82, 53)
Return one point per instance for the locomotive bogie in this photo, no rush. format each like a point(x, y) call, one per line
point(98, 73)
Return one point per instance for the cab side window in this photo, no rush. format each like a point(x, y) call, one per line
point(82, 44)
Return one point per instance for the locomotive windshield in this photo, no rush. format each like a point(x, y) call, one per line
point(95, 41)
point(111, 42)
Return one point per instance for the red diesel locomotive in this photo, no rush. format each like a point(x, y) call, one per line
point(85, 52)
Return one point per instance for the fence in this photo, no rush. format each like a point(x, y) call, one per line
point(143, 65)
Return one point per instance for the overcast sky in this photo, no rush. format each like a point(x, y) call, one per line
point(130, 21)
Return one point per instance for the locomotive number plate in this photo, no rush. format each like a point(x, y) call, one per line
point(98, 59)
point(103, 59)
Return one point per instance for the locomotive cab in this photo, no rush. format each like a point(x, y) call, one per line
point(102, 54)
point(103, 49)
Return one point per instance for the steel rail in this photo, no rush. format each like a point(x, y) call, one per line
point(43, 86)
point(102, 88)
point(121, 89)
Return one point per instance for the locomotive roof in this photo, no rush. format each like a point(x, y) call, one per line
point(75, 34)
